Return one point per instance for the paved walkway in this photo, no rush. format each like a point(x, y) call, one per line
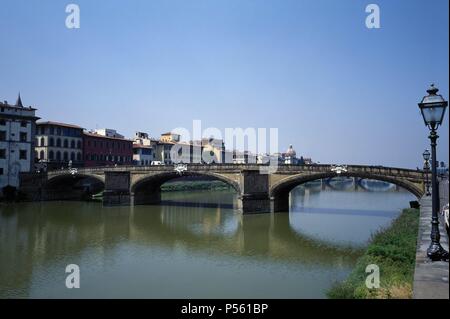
point(430, 278)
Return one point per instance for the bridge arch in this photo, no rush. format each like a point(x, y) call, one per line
point(279, 192)
point(66, 186)
point(147, 189)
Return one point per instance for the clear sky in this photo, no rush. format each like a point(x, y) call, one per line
point(337, 91)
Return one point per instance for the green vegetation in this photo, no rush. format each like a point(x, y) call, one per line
point(194, 185)
point(393, 249)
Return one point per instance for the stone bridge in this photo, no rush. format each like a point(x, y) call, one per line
point(258, 190)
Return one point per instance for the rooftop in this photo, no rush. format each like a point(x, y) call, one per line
point(5, 104)
point(59, 124)
point(91, 134)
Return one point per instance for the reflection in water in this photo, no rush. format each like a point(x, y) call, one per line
point(344, 217)
point(201, 250)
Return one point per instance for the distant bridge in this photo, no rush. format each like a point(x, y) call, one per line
point(257, 192)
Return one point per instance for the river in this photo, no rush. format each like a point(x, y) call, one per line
point(193, 245)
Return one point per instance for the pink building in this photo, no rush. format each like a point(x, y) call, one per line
point(100, 150)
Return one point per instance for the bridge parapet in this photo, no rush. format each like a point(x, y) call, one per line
point(382, 170)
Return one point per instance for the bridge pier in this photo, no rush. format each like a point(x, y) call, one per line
point(117, 189)
point(255, 193)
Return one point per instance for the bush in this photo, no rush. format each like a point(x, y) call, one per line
point(394, 250)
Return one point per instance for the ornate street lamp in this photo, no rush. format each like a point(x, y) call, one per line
point(433, 108)
point(426, 169)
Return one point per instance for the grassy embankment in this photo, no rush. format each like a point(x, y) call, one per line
point(393, 249)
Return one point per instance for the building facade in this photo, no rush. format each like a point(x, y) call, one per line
point(244, 157)
point(162, 152)
point(170, 137)
point(213, 151)
point(101, 150)
point(142, 155)
point(58, 145)
point(170, 149)
point(143, 151)
point(17, 128)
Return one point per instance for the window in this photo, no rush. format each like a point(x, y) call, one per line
point(23, 154)
point(58, 131)
point(42, 141)
point(66, 143)
point(2, 153)
point(2, 122)
point(23, 124)
point(78, 157)
point(58, 142)
point(42, 155)
point(51, 156)
point(52, 130)
point(66, 156)
point(72, 156)
point(51, 142)
point(72, 144)
point(58, 155)
point(1, 170)
point(23, 136)
point(2, 135)
point(79, 144)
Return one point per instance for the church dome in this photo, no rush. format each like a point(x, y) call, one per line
point(291, 152)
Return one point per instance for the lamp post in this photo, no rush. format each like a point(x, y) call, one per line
point(426, 168)
point(433, 108)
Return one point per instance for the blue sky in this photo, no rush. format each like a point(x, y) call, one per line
point(337, 91)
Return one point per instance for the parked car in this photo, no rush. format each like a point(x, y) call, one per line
point(153, 163)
